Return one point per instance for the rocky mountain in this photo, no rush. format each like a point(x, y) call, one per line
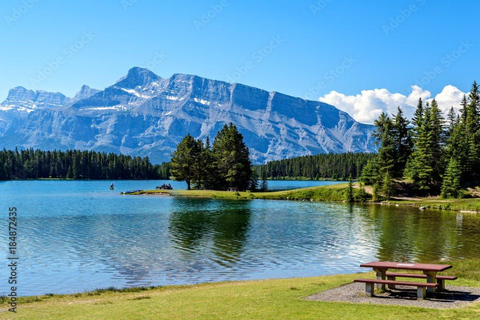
point(84, 93)
point(22, 99)
point(146, 115)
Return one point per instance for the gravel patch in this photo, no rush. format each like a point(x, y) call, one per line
point(453, 297)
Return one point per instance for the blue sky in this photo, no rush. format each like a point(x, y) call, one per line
point(343, 52)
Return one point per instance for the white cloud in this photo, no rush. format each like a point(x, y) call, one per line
point(449, 97)
point(369, 104)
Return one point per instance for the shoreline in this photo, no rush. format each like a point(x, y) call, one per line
point(134, 289)
point(330, 193)
point(252, 299)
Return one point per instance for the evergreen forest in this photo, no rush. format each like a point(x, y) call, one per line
point(430, 155)
point(76, 164)
point(317, 167)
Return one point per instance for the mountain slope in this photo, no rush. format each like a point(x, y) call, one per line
point(143, 114)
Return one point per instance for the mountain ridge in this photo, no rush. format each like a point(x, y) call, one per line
point(144, 114)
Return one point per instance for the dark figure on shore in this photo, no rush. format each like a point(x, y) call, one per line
point(164, 187)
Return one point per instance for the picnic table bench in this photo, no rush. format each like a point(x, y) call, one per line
point(430, 271)
point(421, 286)
point(440, 279)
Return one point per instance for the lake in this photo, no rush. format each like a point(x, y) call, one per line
point(76, 236)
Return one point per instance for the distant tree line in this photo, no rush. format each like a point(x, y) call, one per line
point(76, 164)
point(225, 165)
point(434, 155)
point(322, 166)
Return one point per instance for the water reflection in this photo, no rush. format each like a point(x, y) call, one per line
point(122, 246)
point(208, 225)
point(407, 234)
point(80, 236)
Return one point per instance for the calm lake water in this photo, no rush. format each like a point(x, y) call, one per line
point(77, 236)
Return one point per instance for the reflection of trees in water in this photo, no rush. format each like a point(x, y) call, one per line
point(130, 244)
point(407, 234)
point(394, 236)
point(219, 226)
point(130, 247)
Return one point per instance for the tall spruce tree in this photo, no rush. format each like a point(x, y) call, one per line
point(455, 147)
point(417, 119)
point(457, 144)
point(451, 181)
point(183, 160)
point(232, 158)
point(370, 172)
point(199, 168)
point(211, 179)
point(377, 167)
point(437, 140)
point(385, 137)
point(403, 143)
point(452, 121)
point(463, 110)
point(472, 135)
point(426, 164)
point(395, 140)
point(226, 165)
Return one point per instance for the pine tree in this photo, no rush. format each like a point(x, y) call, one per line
point(387, 186)
point(472, 136)
point(426, 164)
point(417, 119)
point(232, 157)
point(212, 176)
point(452, 121)
point(418, 166)
point(451, 137)
point(457, 143)
point(199, 169)
point(451, 180)
point(437, 136)
point(385, 134)
point(385, 137)
point(370, 172)
point(463, 110)
point(183, 160)
point(403, 143)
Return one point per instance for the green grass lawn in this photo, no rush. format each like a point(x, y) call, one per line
point(266, 299)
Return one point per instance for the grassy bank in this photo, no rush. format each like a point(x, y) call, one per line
point(266, 299)
point(325, 193)
point(334, 192)
point(443, 204)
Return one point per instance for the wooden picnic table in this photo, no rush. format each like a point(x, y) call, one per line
point(430, 270)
